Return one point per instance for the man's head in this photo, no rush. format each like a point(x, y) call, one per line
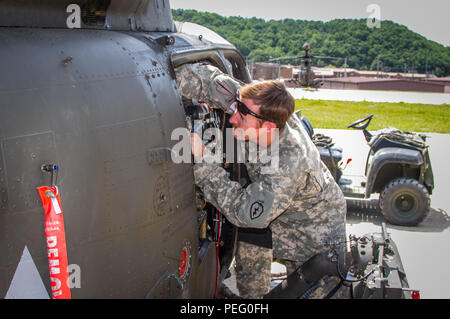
point(266, 105)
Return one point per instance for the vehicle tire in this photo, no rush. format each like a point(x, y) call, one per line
point(404, 201)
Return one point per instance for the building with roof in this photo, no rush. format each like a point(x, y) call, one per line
point(444, 81)
point(385, 84)
point(353, 79)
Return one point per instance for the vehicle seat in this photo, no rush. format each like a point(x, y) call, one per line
point(322, 143)
point(325, 156)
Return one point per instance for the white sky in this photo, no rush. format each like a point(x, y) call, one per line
point(430, 18)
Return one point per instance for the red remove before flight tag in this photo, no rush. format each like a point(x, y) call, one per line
point(56, 242)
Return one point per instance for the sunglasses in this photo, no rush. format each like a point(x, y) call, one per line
point(244, 110)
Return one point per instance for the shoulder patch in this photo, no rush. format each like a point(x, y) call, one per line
point(256, 210)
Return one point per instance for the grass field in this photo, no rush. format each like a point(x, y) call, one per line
point(403, 116)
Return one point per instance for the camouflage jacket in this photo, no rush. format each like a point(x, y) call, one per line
point(300, 201)
point(206, 83)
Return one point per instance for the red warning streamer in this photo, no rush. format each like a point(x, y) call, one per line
point(56, 242)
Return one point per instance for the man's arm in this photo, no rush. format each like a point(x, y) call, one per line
point(207, 83)
point(258, 204)
point(261, 202)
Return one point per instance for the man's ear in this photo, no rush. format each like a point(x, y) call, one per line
point(269, 125)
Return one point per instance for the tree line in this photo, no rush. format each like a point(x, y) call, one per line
point(392, 47)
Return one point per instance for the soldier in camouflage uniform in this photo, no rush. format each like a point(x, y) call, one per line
point(300, 203)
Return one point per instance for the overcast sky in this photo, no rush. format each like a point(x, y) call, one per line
point(430, 18)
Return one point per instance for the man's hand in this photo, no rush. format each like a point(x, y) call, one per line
point(197, 147)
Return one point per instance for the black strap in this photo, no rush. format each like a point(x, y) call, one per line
point(254, 236)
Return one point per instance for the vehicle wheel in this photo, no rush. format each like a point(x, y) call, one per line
point(404, 201)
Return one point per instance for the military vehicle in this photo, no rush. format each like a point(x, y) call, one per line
point(88, 96)
point(88, 102)
point(305, 76)
point(398, 168)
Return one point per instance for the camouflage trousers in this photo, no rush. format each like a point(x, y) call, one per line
point(253, 274)
point(253, 268)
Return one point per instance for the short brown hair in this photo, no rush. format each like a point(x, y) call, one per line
point(276, 102)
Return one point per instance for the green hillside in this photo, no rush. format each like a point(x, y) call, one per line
point(398, 48)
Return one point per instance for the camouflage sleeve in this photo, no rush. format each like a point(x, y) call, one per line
point(255, 206)
point(207, 83)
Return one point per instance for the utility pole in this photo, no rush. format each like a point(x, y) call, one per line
point(279, 69)
point(345, 67)
point(378, 66)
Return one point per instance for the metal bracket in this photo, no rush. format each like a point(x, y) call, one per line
point(53, 170)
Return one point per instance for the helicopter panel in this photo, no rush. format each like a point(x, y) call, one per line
point(95, 103)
